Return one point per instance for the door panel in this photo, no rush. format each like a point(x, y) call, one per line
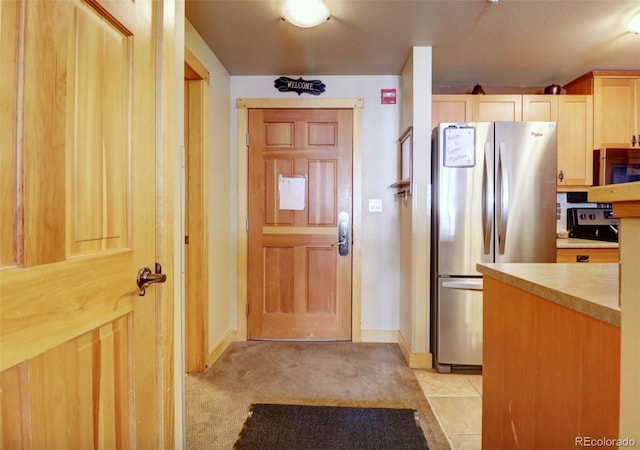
point(97, 163)
point(464, 199)
point(78, 354)
point(525, 151)
point(8, 173)
point(299, 286)
point(63, 380)
point(322, 192)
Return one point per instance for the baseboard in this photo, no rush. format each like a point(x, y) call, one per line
point(414, 360)
point(379, 336)
point(221, 347)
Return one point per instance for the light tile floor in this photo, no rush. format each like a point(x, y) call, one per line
point(456, 399)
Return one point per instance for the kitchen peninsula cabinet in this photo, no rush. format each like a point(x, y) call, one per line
point(616, 105)
point(551, 354)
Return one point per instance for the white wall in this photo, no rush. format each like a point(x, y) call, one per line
point(380, 255)
point(422, 200)
point(415, 219)
point(405, 234)
point(381, 267)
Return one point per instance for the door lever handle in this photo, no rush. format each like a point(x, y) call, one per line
point(146, 277)
point(343, 233)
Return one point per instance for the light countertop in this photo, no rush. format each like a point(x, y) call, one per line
point(623, 192)
point(584, 243)
point(591, 289)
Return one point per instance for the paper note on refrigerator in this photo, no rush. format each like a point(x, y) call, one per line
point(459, 147)
point(291, 192)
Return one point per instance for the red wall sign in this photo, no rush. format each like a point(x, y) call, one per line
point(388, 96)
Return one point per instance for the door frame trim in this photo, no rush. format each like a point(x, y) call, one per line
point(196, 311)
point(243, 105)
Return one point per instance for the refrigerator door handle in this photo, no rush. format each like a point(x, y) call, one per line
point(503, 200)
point(487, 199)
point(468, 285)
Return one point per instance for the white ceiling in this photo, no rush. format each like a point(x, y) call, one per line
point(517, 43)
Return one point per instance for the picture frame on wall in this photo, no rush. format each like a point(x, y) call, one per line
point(405, 162)
point(406, 155)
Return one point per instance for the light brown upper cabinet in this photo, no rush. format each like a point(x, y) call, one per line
point(450, 108)
point(575, 142)
point(490, 108)
point(616, 105)
point(572, 113)
point(540, 108)
point(476, 108)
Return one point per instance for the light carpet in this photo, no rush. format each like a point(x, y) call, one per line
point(302, 373)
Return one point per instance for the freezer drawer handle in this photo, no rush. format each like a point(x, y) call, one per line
point(472, 285)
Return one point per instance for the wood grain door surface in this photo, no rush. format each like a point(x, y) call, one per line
point(299, 286)
point(78, 352)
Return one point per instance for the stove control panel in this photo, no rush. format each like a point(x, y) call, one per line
point(590, 216)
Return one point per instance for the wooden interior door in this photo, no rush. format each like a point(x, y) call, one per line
point(299, 285)
point(78, 345)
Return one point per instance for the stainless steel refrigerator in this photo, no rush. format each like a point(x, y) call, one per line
point(494, 200)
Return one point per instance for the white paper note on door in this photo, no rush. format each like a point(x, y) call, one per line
point(292, 192)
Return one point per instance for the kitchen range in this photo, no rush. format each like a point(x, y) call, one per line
point(596, 224)
point(493, 200)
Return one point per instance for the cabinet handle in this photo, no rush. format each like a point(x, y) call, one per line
point(633, 140)
point(561, 176)
point(582, 258)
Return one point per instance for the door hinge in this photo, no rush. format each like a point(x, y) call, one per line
point(246, 225)
point(186, 239)
point(247, 310)
point(247, 139)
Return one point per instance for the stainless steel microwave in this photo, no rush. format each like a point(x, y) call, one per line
point(616, 165)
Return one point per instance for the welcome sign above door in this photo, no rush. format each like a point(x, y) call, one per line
point(299, 86)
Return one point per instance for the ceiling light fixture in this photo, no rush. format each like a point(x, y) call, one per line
point(304, 13)
point(634, 24)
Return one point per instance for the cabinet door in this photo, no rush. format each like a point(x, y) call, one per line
point(490, 108)
point(575, 144)
point(541, 108)
point(614, 112)
point(450, 108)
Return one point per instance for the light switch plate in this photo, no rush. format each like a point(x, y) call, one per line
point(375, 205)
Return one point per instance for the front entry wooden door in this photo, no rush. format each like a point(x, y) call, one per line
point(300, 190)
point(78, 345)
